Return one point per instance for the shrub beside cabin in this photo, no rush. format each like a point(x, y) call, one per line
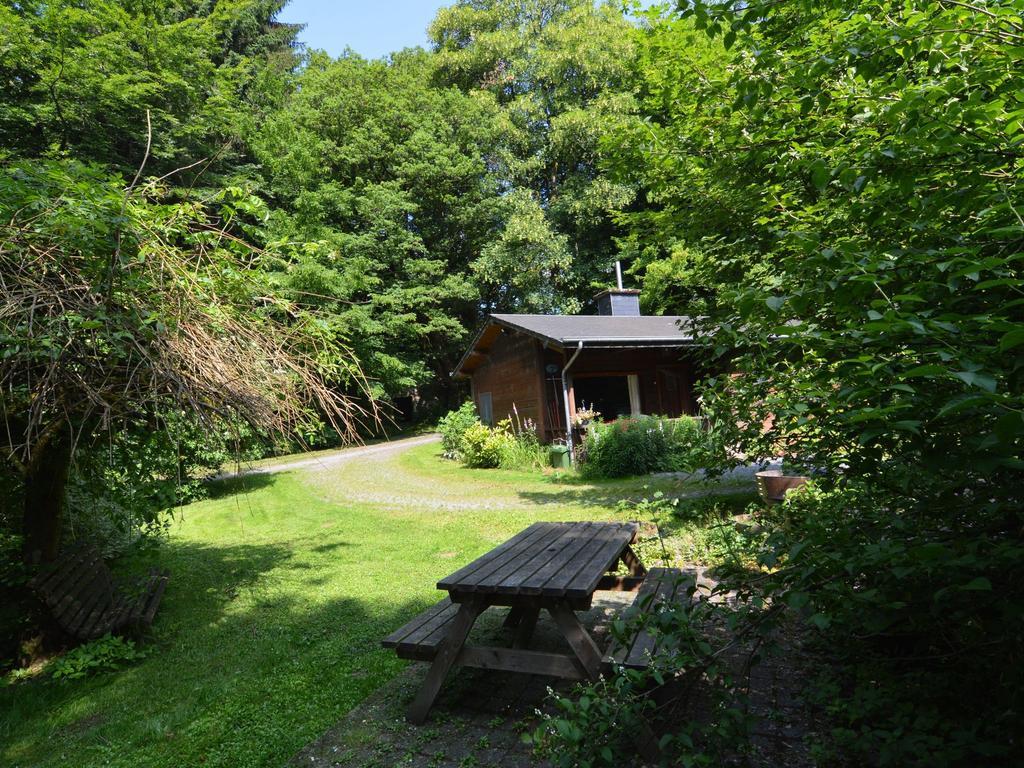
point(618, 362)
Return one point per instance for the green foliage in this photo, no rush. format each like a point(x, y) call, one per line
point(93, 96)
point(79, 78)
point(899, 308)
point(840, 195)
point(697, 530)
point(126, 486)
point(594, 725)
point(561, 72)
point(644, 444)
point(506, 445)
point(15, 605)
point(105, 654)
point(131, 312)
point(382, 199)
point(598, 725)
point(453, 426)
point(921, 632)
point(523, 451)
point(484, 447)
point(526, 266)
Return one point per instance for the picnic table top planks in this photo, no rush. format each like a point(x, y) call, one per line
point(556, 560)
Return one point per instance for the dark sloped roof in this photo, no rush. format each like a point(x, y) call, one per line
point(593, 330)
point(563, 330)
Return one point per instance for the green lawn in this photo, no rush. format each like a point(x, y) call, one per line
point(281, 590)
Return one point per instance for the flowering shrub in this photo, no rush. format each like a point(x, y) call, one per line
point(503, 446)
point(483, 447)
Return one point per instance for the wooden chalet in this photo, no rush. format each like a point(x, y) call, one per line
point(546, 367)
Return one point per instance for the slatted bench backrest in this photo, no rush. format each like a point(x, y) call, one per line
point(79, 591)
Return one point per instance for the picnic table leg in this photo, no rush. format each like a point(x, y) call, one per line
point(515, 615)
point(526, 625)
point(632, 562)
point(582, 644)
point(447, 653)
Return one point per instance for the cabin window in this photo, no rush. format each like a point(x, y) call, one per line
point(486, 409)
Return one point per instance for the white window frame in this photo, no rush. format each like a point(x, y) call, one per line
point(633, 382)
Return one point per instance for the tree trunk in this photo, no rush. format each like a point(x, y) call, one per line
point(45, 482)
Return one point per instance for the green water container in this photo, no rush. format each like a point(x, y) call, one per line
point(559, 456)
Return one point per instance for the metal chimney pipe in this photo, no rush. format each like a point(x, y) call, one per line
point(618, 274)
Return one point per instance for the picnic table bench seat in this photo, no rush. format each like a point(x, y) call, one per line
point(419, 638)
point(661, 586)
point(85, 601)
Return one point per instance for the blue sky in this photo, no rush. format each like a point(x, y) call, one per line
point(372, 28)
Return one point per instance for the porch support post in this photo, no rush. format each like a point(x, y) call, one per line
point(565, 401)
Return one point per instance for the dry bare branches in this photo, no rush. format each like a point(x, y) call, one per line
point(185, 327)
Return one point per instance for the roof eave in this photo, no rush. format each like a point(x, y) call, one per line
point(550, 340)
point(629, 342)
point(457, 373)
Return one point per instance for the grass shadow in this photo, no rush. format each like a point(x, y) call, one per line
point(333, 546)
point(221, 487)
point(637, 490)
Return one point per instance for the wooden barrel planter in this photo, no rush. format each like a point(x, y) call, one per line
point(773, 485)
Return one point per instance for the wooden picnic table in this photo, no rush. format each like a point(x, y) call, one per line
point(555, 567)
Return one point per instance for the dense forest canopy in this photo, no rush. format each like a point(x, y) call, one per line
point(835, 188)
point(136, 313)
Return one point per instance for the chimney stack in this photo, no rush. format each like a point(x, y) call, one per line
point(620, 302)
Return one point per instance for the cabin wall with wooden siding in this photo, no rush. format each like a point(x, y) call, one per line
point(512, 374)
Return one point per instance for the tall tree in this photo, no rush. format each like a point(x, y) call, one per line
point(384, 197)
point(682, 83)
point(126, 309)
point(849, 193)
point(826, 189)
point(562, 71)
point(116, 305)
point(79, 78)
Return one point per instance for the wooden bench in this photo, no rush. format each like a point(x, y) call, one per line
point(84, 600)
point(419, 639)
point(662, 586)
